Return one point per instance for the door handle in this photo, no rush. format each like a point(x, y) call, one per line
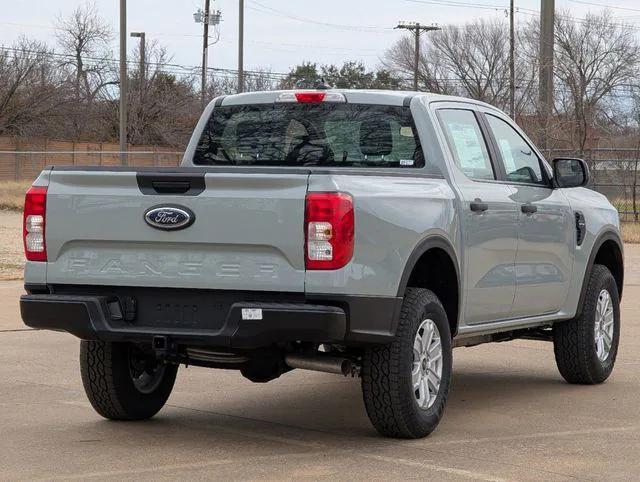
point(479, 207)
point(529, 209)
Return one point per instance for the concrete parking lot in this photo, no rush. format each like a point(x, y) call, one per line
point(510, 416)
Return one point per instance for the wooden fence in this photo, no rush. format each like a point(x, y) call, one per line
point(23, 159)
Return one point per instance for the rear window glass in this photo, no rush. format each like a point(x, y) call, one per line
point(344, 135)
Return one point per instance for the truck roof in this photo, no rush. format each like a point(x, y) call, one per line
point(361, 96)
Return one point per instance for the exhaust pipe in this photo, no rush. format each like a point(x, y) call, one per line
point(320, 363)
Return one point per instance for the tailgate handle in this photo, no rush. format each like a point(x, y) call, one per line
point(171, 187)
point(171, 183)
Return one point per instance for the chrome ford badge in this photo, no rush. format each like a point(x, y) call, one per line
point(169, 218)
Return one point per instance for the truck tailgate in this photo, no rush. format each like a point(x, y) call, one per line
point(247, 234)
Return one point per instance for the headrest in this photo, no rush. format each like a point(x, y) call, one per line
point(247, 134)
point(376, 138)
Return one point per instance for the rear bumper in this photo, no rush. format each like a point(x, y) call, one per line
point(104, 317)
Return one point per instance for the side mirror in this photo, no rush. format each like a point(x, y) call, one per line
point(570, 173)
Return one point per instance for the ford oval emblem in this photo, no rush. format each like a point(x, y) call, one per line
point(169, 217)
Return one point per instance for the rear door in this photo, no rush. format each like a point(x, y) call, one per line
point(247, 233)
point(489, 218)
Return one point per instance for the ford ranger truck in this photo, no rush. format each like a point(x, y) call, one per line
point(362, 233)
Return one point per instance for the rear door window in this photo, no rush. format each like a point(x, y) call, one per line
point(325, 134)
point(467, 143)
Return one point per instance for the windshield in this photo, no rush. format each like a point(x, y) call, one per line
point(324, 134)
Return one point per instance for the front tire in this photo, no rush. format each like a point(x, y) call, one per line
point(122, 382)
point(586, 346)
point(405, 384)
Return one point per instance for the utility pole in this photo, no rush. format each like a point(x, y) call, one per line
point(207, 18)
point(547, 18)
point(123, 82)
point(143, 54)
point(416, 29)
point(241, 47)
point(205, 52)
point(512, 60)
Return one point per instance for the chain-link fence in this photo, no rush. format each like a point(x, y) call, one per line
point(614, 173)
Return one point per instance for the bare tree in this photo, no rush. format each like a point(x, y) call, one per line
point(260, 79)
point(29, 88)
point(86, 38)
point(470, 60)
point(593, 58)
point(477, 55)
point(85, 42)
point(432, 73)
point(162, 107)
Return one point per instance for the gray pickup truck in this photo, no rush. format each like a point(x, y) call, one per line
point(362, 233)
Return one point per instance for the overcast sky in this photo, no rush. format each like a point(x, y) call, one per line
point(282, 33)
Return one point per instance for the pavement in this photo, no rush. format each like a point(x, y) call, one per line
point(510, 416)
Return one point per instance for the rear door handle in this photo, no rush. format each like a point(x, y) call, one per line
point(479, 207)
point(529, 209)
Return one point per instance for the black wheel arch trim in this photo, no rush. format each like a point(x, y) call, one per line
point(602, 238)
point(428, 243)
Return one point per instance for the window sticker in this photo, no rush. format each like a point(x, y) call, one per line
point(468, 146)
point(406, 131)
point(507, 155)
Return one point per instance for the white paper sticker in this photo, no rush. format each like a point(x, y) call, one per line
point(406, 162)
point(406, 131)
point(251, 314)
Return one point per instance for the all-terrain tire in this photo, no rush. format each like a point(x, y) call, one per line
point(387, 387)
point(574, 341)
point(109, 384)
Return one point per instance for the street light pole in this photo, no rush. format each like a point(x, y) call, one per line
point(143, 53)
point(123, 82)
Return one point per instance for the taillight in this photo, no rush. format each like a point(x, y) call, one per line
point(35, 206)
point(329, 230)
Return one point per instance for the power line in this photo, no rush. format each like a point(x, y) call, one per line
point(522, 10)
point(605, 5)
point(189, 68)
point(454, 3)
point(273, 11)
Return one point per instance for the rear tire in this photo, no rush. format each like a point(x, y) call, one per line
point(122, 382)
point(586, 346)
point(396, 377)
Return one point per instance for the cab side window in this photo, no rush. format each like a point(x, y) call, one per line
point(520, 161)
point(467, 143)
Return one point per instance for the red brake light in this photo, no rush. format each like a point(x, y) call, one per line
point(33, 224)
point(329, 230)
point(310, 97)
